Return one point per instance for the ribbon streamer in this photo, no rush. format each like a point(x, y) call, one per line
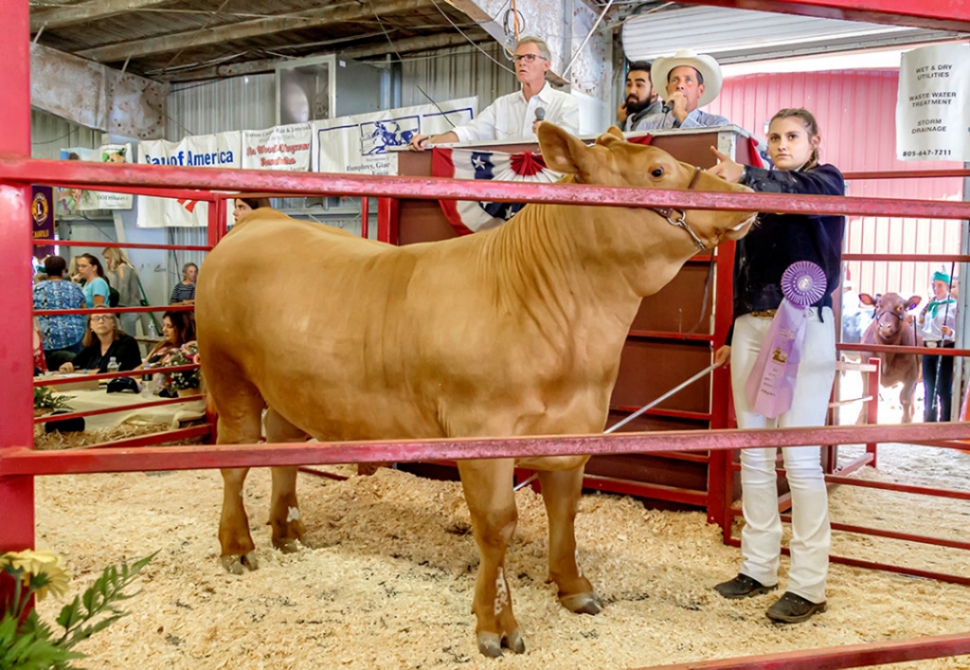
point(771, 385)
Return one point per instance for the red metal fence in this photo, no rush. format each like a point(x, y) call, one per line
point(19, 463)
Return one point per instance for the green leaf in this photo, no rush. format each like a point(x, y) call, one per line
point(70, 614)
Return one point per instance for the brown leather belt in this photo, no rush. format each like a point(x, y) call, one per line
point(765, 313)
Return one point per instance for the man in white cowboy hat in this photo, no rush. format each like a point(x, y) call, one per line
point(691, 81)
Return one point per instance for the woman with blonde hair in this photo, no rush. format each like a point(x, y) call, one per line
point(103, 340)
point(124, 278)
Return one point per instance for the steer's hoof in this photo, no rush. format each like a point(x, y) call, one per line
point(514, 642)
point(582, 603)
point(287, 546)
point(490, 644)
point(237, 564)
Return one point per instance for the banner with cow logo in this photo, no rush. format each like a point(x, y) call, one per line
point(74, 200)
point(933, 107)
point(473, 216)
point(221, 150)
point(285, 148)
point(359, 143)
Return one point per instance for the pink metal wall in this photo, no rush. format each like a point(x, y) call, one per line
point(856, 112)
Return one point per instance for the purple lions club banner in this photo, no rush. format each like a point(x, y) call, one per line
point(472, 216)
point(42, 216)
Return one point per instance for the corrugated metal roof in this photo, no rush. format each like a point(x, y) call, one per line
point(273, 29)
point(733, 35)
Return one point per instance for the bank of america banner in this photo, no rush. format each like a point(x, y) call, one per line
point(358, 144)
point(222, 150)
point(285, 148)
point(933, 108)
point(472, 216)
point(74, 200)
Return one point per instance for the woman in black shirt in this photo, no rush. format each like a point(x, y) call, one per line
point(776, 242)
point(103, 340)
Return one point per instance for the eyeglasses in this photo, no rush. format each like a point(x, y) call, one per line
point(528, 58)
point(102, 317)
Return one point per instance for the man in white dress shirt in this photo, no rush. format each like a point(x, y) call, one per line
point(513, 116)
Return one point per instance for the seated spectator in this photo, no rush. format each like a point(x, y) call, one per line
point(184, 291)
point(177, 329)
point(691, 81)
point(96, 289)
point(61, 335)
point(244, 206)
point(102, 342)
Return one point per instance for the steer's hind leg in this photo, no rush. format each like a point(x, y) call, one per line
point(240, 406)
point(561, 491)
point(488, 492)
point(284, 511)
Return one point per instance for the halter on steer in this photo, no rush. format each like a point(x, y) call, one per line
point(681, 222)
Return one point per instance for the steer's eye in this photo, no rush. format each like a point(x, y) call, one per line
point(658, 172)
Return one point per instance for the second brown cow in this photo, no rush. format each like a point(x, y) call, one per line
point(892, 326)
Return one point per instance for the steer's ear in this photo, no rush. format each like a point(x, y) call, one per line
point(867, 299)
point(561, 151)
point(612, 133)
point(913, 301)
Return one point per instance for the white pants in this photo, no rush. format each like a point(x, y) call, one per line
point(811, 532)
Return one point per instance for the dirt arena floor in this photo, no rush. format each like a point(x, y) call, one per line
point(388, 581)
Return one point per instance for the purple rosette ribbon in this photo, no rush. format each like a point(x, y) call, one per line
point(771, 385)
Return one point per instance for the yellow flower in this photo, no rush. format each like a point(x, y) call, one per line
point(39, 562)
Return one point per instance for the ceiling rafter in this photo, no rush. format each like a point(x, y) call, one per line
point(314, 18)
point(407, 45)
point(85, 12)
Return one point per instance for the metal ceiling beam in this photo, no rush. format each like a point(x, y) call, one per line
point(937, 15)
point(407, 45)
point(85, 12)
point(314, 18)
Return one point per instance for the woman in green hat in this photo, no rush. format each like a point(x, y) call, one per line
point(937, 321)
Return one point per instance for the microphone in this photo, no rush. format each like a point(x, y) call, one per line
point(540, 113)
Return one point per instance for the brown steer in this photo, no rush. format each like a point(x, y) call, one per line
point(513, 331)
point(891, 326)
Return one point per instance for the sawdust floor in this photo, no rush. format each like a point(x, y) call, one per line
point(389, 581)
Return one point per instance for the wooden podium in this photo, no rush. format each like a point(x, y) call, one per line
point(659, 353)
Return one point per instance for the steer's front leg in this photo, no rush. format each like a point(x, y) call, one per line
point(488, 492)
point(561, 491)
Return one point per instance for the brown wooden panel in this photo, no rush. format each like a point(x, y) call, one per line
point(693, 149)
point(650, 368)
point(422, 221)
point(677, 306)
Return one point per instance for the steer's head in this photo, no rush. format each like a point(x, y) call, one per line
point(612, 161)
point(891, 313)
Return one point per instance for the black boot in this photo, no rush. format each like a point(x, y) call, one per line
point(793, 609)
point(743, 586)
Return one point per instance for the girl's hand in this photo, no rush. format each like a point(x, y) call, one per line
point(723, 356)
point(727, 169)
point(67, 367)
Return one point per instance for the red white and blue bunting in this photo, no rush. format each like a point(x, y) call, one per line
point(473, 216)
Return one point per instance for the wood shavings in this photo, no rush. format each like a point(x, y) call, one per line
point(389, 579)
point(74, 440)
